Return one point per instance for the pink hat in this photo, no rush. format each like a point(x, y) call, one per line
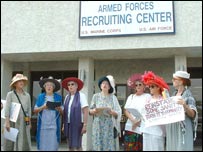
point(133, 78)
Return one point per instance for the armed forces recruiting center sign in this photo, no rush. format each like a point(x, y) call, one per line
point(117, 18)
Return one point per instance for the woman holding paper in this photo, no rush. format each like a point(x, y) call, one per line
point(107, 115)
point(48, 122)
point(180, 134)
point(23, 141)
point(154, 136)
point(133, 110)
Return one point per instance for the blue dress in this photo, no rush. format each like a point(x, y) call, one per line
point(48, 129)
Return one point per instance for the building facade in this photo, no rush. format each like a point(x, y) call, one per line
point(41, 38)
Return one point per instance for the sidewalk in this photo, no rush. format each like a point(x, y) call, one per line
point(63, 147)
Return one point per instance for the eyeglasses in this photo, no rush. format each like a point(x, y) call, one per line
point(152, 86)
point(175, 79)
point(71, 84)
point(138, 85)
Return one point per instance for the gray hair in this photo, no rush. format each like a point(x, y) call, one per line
point(51, 83)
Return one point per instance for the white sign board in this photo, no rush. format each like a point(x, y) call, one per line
point(14, 111)
point(117, 18)
point(163, 112)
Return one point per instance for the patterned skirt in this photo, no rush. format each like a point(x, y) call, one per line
point(133, 141)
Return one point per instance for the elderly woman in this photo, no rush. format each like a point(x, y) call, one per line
point(179, 135)
point(107, 114)
point(23, 142)
point(133, 140)
point(75, 113)
point(48, 122)
point(154, 136)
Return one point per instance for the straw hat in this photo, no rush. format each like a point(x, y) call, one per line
point(18, 77)
point(74, 79)
point(50, 79)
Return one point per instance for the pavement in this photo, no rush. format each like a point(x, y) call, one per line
point(63, 147)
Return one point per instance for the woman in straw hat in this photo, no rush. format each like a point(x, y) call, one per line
point(180, 134)
point(48, 122)
point(135, 101)
point(107, 115)
point(154, 136)
point(23, 142)
point(75, 113)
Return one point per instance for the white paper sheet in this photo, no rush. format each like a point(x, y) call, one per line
point(11, 135)
point(15, 109)
point(135, 113)
point(103, 111)
point(137, 129)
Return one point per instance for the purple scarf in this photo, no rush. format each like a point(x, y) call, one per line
point(73, 130)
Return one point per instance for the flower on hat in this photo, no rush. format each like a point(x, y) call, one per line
point(150, 78)
point(133, 78)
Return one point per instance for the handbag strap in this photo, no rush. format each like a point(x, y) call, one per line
point(20, 103)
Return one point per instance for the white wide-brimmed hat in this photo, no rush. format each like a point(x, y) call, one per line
point(18, 77)
point(112, 82)
point(182, 74)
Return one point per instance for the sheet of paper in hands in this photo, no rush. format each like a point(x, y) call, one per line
point(138, 129)
point(104, 111)
point(53, 105)
point(135, 113)
point(176, 98)
point(11, 135)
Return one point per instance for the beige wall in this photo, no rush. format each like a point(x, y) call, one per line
point(35, 26)
point(43, 36)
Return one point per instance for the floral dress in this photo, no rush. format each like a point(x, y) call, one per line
point(102, 133)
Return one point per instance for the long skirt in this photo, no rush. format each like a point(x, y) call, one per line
point(153, 142)
point(48, 140)
point(132, 141)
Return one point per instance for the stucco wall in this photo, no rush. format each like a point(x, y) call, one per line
point(35, 26)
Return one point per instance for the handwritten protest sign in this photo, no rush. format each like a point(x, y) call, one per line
point(163, 112)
